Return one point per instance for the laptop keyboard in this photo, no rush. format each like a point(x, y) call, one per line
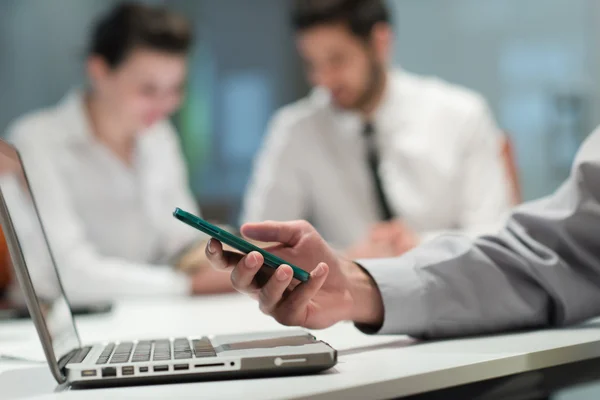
point(156, 350)
point(81, 355)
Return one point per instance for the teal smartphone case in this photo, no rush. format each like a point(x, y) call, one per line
point(237, 243)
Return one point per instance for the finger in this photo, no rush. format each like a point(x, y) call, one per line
point(275, 248)
point(292, 310)
point(260, 279)
point(288, 233)
point(243, 274)
point(274, 289)
point(220, 259)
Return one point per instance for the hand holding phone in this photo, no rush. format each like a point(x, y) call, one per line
point(237, 243)
point(338, 289)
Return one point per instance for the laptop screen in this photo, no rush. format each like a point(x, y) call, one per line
point(32, 244)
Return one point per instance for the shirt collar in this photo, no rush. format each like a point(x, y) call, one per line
point(388, 116)
point(73, 111)
point(391, 112)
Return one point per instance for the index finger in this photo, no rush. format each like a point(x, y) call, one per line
point(288, 233)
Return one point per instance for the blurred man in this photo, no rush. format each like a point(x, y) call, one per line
point(377, 158)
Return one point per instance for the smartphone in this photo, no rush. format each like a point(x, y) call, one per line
point(237, 243)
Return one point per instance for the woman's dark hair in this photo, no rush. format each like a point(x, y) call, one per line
point(360, 16)
point(130, 26)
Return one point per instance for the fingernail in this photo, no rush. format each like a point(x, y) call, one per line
point(251, 261)
point(282, 274)
point(319, 271)
point(210, 246)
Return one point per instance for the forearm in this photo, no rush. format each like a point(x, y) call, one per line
point(542, 269)
point(454, 286)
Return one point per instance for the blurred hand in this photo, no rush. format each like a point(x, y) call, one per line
point(337, 289)
point(385, 239)
point(209, 281)
point(396, 234)
point(369, 248)
point(193, 259)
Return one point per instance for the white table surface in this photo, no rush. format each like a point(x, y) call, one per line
point(370, 367)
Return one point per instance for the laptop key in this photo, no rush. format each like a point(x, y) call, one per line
point(122, 353)
point(124, 348)
point(162, 350)
point(106, 353)
point(108, 349)
point(142, 351)
point(81, 355)
point(203, 348)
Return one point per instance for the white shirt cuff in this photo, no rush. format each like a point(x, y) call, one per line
point(406, 309)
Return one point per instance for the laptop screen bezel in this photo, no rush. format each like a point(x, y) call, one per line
point(24, 278)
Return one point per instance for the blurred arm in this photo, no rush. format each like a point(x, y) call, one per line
point(542, 269)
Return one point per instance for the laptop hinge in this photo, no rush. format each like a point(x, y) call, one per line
point(64, 360)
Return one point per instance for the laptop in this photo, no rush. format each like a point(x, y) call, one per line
point(160, 360)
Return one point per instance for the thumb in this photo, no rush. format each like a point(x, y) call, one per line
point(287, 233)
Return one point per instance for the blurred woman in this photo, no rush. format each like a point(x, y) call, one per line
point(106, 166)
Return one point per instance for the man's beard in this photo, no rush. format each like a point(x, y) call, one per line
point(374, 86)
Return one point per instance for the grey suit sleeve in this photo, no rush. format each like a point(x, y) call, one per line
point(542, 269)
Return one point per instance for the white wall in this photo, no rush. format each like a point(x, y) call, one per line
point(522, 55)
point(42, 47)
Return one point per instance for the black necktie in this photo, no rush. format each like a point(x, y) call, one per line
point(373, 162)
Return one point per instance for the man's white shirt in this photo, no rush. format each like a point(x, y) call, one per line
point(440, 163)
point(109, 225)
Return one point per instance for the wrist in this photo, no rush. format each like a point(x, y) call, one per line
point(367, 301)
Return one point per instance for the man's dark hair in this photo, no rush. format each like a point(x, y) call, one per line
point(359, 15)
point(130, 26)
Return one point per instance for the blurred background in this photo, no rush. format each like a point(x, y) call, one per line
point(534, 60)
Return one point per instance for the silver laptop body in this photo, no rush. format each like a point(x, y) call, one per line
point(134, 361)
